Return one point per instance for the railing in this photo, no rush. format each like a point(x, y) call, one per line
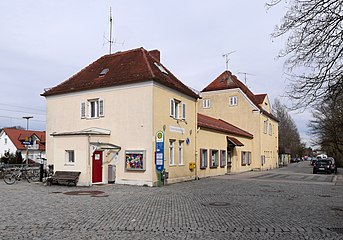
point(33, 146)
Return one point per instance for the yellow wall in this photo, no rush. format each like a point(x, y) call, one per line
point(208, 139)
point(248, 117)
point(178, 130)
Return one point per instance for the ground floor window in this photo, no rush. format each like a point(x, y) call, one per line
point(171, 152)
point(180, 153)
point(222, 158)
point(214, 158)
point(246, 158)
point(203, 158)
point(70, 156)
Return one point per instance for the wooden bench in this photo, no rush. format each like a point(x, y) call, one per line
point(66, 177)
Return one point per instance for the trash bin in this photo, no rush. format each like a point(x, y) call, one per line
point(111, 173)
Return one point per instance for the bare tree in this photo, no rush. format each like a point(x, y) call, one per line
point(327, 127)
point(289, 137)
point(314, 49)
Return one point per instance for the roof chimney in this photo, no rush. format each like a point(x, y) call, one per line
point(155, 54)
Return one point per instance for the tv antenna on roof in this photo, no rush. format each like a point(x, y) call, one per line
point(227, 59)
point(245, 76)
point(111, 41)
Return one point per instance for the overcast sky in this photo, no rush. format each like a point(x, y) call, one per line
point(45, 42)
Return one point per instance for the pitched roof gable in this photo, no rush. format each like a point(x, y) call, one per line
point(221, 125)
point(19, 135)
point(132, 66)
point(227, 80)
point(260, 98)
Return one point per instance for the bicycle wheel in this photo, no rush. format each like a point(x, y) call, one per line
point(10, 178)
point(34, 175)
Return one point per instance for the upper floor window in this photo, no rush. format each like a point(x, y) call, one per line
point(206, 103)
point(233, 101)
point(177, 109)
point(270, 129)
point(5, 141)
point(265, 127)
point(93, 108)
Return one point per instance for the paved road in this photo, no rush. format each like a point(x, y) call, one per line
point(286, 203)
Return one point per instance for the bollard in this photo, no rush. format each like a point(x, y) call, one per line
point(41, 171)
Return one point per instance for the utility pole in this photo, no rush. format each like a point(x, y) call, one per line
point(27, 139)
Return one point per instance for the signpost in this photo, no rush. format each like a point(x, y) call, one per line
point(159, 156)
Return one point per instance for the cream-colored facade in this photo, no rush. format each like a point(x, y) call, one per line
point(132, 115)
point(103, 122)
point(243, 113)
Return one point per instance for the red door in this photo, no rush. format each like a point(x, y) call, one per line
point(97, 167)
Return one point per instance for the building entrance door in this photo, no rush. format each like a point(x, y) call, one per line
point(97, 167)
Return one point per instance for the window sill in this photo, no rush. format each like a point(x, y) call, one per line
point(172, 165)
point(69, 164)
point(223, 166)
point(202, 168)
point(214, 167)
point(181, 164)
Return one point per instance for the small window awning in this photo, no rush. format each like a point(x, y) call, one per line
point(234, 141)
point(85, 132)
point(105, 146)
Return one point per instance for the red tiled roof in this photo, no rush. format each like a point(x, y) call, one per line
point(133, 66)
point(222, 126)
point(260, 98)
point(18, 135)
point(227, 80)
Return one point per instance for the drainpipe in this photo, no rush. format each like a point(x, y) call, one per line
point(196, 140)
point(89, 161)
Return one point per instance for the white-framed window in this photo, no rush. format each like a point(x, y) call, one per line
point(5, 141)
point(171, 152)
point(270, 129)
point(70, 157)
point(265, 126)
point(175, 106)
point(206, 103)
point(233, 101)
point(180, 153)
point(93, 108)
point(214, 158)
point(83, 110)
point(246, 158)
point(184, 111)
point(203, 158)
point(222, 158)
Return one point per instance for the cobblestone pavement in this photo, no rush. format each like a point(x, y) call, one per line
point(251, 205)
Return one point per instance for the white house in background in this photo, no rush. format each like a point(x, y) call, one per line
point(13, 140)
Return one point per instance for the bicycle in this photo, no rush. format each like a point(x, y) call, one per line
point(19, 173)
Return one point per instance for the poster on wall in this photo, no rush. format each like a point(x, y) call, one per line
point(135, 160)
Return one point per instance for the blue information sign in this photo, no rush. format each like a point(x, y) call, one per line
point(159, 156)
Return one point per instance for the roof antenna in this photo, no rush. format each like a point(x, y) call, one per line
point(227, 59)
point(111, 41)
point(245, 76)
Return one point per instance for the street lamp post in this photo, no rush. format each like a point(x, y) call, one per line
point(27, 138)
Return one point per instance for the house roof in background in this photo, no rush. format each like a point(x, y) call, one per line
point(227, 80)
point(128, 67)
point(221, 126)
point(17, 136)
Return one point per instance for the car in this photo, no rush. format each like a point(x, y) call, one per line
point(313, 161)
point(326, 165)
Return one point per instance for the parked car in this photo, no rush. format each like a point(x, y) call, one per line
point(326, 165)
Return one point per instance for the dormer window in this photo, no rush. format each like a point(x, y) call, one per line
point(161, 68)
point(103, 72)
